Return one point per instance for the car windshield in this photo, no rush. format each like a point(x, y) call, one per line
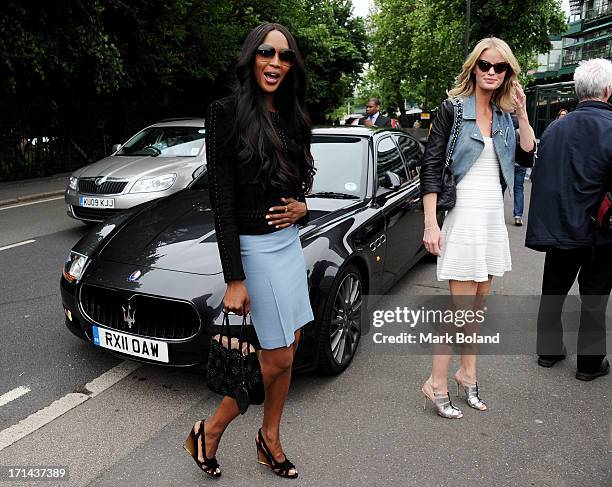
point(341, 163)
point(165, 142)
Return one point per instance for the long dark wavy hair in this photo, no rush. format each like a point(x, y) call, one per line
point(253, 124)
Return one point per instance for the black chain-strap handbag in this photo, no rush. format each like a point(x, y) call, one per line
point(448, 189)
point(233, 366)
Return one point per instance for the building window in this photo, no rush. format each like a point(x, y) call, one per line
point(597, 8)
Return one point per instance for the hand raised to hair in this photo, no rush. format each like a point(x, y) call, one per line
point(520, 100)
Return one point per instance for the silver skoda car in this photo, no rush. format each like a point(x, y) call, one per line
point(156, 162)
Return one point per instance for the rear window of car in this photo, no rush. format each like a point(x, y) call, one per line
point(341, 163)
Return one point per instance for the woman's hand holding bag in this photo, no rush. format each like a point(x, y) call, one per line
point(233, 366)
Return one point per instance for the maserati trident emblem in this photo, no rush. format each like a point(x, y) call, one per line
point(129, 316)
point(134, 276)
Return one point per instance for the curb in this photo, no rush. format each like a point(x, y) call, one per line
point(31, 197)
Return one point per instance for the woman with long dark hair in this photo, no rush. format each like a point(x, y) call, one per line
point(260, 167)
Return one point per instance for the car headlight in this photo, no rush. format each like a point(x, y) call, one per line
point(72, 183)
point(157, 183)
point(74, 266)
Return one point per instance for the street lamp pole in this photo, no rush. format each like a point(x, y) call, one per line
point(468, 27)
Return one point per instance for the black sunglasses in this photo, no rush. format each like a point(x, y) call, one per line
point(286, 56)
point(485, 66)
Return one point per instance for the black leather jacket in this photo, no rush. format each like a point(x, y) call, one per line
point(435, 153)
point(240, 205)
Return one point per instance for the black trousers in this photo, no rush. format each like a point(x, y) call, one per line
point(593, 266)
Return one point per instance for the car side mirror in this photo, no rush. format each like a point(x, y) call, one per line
point(198, 171)
point(392, 180)
point(115, 148)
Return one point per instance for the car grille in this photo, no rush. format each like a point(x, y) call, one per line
point(88, 186)
point(154, 317)
point(94, 214)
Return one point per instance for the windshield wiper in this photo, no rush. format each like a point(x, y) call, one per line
point(333, 194)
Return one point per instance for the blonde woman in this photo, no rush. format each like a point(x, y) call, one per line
point(473, 246)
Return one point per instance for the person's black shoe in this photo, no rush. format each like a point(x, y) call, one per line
point(604, 369)
point(550, 360)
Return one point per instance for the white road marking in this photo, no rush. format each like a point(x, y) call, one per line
point(57, 408)
point(14, 394)
point(25, 242)
point(111, 377)
point(31, 203)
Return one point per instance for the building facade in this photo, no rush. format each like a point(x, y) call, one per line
point(589, 35)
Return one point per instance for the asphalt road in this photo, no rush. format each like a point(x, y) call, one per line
point(364, 427)
point(35, 350)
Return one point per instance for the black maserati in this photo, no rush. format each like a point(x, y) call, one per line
point(147, 283)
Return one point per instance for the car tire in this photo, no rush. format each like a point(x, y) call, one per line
point(339, 333)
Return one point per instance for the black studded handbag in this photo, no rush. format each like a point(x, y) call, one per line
point(447, 196)
point(233, 366)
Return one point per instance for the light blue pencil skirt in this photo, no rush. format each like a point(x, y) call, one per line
point(276, 282)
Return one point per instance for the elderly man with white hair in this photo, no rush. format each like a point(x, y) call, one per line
point(570, 177)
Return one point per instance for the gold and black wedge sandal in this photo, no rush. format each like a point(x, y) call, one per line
point(209, 465)
point(265, 457)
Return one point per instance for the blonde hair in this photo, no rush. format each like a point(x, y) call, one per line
point(465, 84)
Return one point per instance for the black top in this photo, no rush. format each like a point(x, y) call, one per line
point(239, 203)
point(574, 168)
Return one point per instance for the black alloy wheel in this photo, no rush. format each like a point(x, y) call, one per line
point(341, 326)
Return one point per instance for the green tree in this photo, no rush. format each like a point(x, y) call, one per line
point(392, 41)
point(50, 46)
point(167, 50)
point(334, 45)
point(418, 45)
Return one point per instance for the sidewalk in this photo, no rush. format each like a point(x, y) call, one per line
point(12, 192)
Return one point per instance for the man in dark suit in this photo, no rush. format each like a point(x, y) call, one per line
point(573, 169)
point(373, 117)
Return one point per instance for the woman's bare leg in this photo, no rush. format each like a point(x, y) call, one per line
point(215, 425)
point(442, 354)
point(276, 368)
point(469, 355)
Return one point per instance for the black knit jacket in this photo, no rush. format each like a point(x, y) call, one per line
point(239, 203)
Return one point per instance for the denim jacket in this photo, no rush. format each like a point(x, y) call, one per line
point(470, 145)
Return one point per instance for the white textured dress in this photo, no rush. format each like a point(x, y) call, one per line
point(474, 236)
